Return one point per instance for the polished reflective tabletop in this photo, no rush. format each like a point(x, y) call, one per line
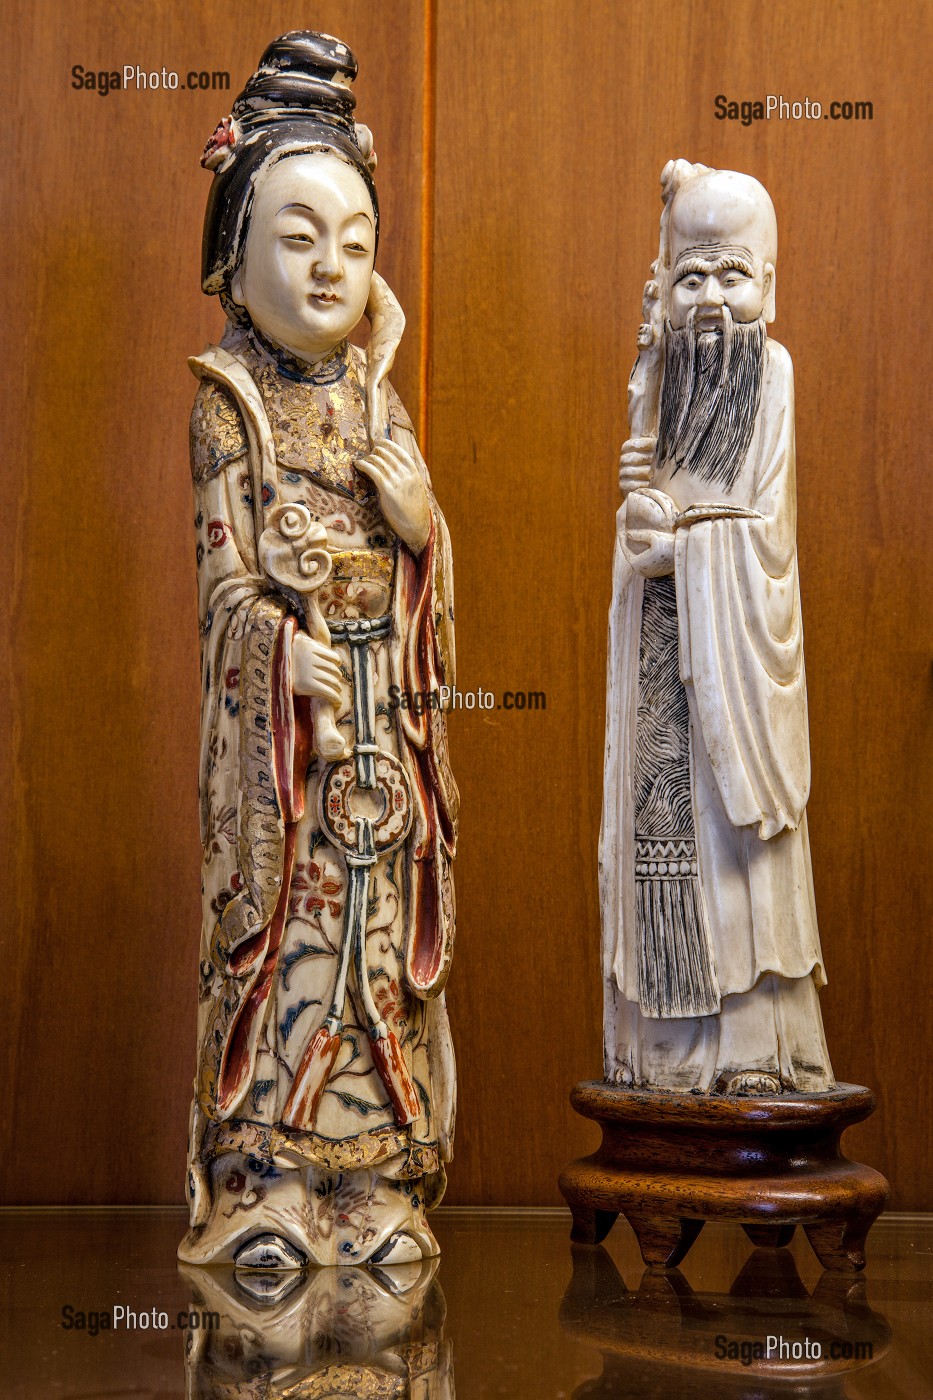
point(94, 1305)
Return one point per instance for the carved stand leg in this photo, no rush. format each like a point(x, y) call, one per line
point(840, 1244)
point(663, 1242)
point(669, 1162)
point(591, 1226)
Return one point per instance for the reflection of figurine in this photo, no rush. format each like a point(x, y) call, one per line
point(347, 1332)
point(712, 955)
point(666, 1339)
point(324, 1097)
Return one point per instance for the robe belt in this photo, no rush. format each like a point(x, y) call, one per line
point(358, 632)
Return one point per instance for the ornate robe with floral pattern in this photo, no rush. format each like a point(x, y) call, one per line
point(274, 884)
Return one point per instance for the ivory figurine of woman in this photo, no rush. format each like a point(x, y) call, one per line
point(324, 1096)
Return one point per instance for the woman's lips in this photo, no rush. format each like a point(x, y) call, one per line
point(324, 298)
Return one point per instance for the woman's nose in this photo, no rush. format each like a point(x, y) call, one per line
point(327, 263)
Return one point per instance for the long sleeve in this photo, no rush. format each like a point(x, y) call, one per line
point(247, 745)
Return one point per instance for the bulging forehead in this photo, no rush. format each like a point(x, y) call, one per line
point(320, 180)
point(723, 209)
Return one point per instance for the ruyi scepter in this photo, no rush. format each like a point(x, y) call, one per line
point(675, 970)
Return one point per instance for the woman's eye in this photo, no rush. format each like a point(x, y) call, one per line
point(354, 248)
point(298, 238)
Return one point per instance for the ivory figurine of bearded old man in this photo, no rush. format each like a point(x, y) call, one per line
point(712, 955)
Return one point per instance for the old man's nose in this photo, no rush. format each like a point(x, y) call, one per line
point(710, 294)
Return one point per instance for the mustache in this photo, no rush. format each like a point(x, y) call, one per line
point(710, 396)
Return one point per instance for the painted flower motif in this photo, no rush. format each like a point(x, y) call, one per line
point(388, 1001)
point(312, 891)
point(218, 532)
point(220, 145)
point(268, 493)
point(224, 896)
point(232, 678)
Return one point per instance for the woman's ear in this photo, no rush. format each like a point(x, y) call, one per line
point(236, 287)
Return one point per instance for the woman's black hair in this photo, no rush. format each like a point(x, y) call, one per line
point(298, 100)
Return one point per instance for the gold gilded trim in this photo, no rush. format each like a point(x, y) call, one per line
point(369, 1150)
point(372, 565)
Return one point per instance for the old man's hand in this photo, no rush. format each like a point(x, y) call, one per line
point(649, 532)
point(635, 463)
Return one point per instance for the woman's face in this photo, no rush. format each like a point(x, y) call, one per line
point(308, 260)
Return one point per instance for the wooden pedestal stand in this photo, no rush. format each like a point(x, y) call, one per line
point(669, 1162)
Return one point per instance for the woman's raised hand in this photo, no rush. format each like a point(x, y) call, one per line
point(402, 492)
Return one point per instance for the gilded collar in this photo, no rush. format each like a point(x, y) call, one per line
point(332, 368)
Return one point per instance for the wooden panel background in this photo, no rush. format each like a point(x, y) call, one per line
point(548, 125)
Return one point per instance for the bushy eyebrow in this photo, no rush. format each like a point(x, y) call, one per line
point(724, 262)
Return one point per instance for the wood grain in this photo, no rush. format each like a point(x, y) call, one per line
point(671, 1162)
point(551, 123)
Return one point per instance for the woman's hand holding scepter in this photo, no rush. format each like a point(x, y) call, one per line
point(293, 552)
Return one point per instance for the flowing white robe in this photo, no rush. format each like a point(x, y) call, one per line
point(741, 663)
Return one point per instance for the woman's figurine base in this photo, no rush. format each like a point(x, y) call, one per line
point(669, 1162)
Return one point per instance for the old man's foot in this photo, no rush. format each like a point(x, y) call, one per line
point(750, 1083)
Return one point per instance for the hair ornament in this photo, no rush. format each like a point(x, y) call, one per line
point(364, 139)
point(221, 144)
